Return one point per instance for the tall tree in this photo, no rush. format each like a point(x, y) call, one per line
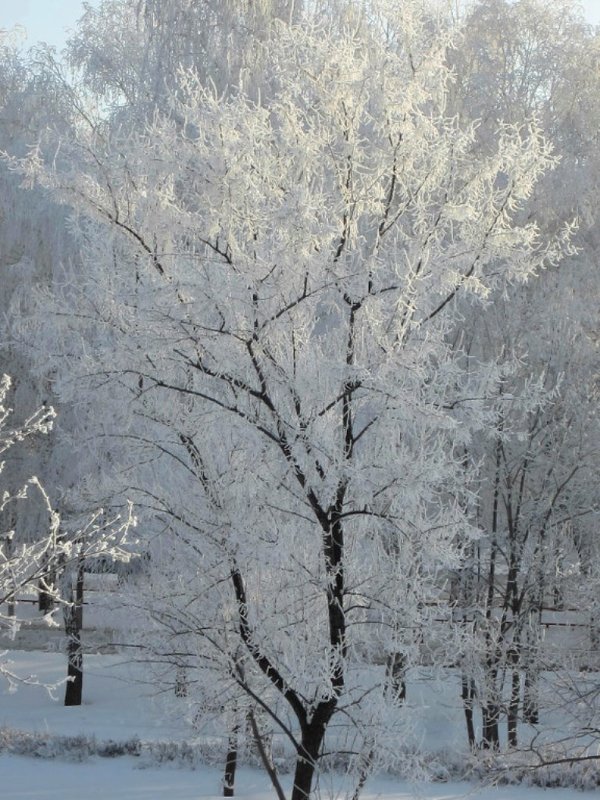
point(271, 281)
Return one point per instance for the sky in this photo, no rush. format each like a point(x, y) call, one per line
point(44, 20)
point(592, 10)
point(47, 20)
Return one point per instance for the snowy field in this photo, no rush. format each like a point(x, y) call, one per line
point(121, 779)
point(118, 706)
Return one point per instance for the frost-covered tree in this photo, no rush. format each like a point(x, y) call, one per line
point(537, 486)
point(538, 477)
point(21, 565)
point(35, 251)
point(271, 282)
point(131, 52)
point(56, 553)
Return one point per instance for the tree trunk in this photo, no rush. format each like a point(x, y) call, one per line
point(45, 599)
point(305, 770)
point(308, 752)
point(265, 753)
point(231, 762)
point(395, 672)
point(468, 696)
point(531, 712)
point(181, 684)
point(594, 632)
point(513, 708)
point(74, 686)
point(73, 615)
point(491, 737)
point(8, 549)
point(364, 773)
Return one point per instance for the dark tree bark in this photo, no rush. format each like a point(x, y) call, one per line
point(309, 750)
point(468, 697)
point(513, 708)
point(8, 549)
point(45, 599)
point(531, 712)
point(181, 685)
point(594, 632)
point(395, 672)
point(231, 762)
point(491, 737)
point(73, 615)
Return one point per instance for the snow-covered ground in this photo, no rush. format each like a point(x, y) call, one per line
point(119, 706)
point(117, 701)
point(121, 779)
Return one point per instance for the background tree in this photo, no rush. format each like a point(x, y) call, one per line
point(26, 565)
point(538, 478)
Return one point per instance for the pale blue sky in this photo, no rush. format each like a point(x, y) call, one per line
point(44, 20)
point(47, 20)
point(592, 10)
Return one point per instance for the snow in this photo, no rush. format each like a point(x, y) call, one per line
point(115, 778)
point(119, 779)
point(119, 705)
